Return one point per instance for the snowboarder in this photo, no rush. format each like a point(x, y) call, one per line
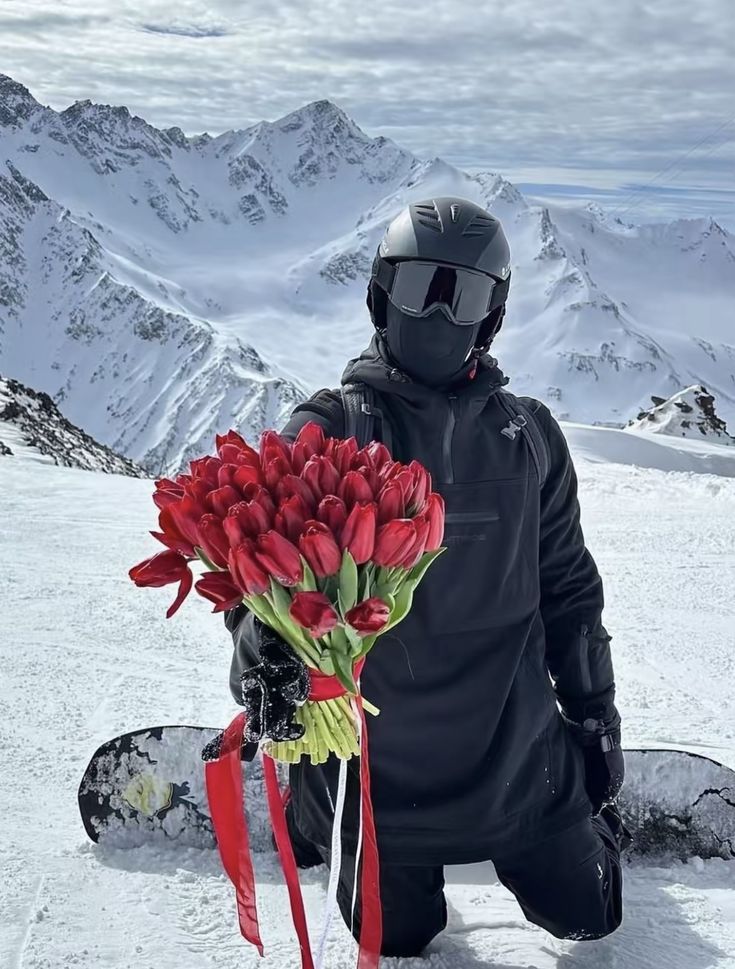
point(498, 736)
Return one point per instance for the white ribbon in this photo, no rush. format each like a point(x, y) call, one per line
point(335, 865)
point(358, 848)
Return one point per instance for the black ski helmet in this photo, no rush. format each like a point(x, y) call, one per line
point(450, 230)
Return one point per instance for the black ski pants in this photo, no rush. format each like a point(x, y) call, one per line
point(569, 884)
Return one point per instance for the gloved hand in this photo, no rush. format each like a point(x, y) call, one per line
point(595, 725)
point(271, 693)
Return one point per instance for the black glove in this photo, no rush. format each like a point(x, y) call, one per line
point(271, 693)
point(595, 725)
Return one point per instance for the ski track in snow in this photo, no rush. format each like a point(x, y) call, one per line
point(85, 656)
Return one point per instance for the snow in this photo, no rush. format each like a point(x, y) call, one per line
point(158, 286)
point(691, 413)
point(85, 655)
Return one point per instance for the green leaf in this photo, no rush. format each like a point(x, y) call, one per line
point(326, 663)
point(343, 672)
point(339, 641)
point(348, 581)
point(355, 640)
point(401, 607)
point(262, 609)
point(417, 573)
point(365, 583)
point(281, 601)
point(205, 558)
point(329, 586)
point(308, 582)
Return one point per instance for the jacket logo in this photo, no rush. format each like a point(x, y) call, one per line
point(467, 537)
point(454, 211)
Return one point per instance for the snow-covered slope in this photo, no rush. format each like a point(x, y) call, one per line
point(690, 413)
point(32, 426)
point(84, 660)
point(163, 287)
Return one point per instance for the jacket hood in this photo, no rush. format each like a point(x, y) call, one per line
point(376, 367)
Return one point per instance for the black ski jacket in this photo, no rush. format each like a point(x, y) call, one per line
point(470, 749)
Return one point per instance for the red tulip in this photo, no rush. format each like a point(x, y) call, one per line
point(198, 490)
point(405, 479)
point(343, 453)
point(213, 540)
point(247, 573)
point(389, 470)
point(354, 488)
point(319, 548)
point(232, 449)
point(390, 502)
point(291, 484)
point(333, 513)
point(226, 475)
point(246, 519)
point(233, 438)
point(422, 527)
point(166, 492)
point(358, 534)
point(369, 616)
point(275, 468)
point(279, 557)
point(161, 569)
point(207, 469)
point(421, 488)
point(314, 612)
point(222, 499)
point(309, 441)
point(378, 454)
point(252, 491)
point(312, 437)
point(272, 445)
point(321, 475)
point(393, 541)
point(435, 514)
point(219, 588)
point(291, 517)
point(179, 522)
point(246, 474)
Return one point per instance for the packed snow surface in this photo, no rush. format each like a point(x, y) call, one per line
point(85, 656)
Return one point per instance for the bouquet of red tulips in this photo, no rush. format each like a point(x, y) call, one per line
point(323, 541)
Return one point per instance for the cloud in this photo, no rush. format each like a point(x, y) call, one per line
point(605, 94)
point(185, 30)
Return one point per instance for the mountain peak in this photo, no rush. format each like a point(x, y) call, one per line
point(17, 103)
point(688, 413)
point(322, 117)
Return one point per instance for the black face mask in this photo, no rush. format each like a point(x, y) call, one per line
point(430, 349)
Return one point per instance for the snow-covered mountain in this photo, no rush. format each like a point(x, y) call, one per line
point(690, 413)
point(32, 426)
point(162, 288)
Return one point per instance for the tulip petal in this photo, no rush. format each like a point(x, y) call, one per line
point(184, 590)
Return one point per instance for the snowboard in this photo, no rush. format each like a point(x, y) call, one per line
point(148, 785)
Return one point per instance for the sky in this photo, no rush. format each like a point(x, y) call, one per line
point(630, 104)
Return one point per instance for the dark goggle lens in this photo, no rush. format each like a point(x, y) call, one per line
point(418, 287)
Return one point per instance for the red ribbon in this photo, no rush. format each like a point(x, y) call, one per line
point(225, 795)
point(324, 687)
point(224, 782)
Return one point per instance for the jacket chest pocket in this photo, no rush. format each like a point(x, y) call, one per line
point(485, 577)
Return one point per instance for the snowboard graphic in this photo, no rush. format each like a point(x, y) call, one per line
point(149, 785)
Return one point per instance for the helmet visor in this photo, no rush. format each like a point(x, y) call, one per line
point(463, 295)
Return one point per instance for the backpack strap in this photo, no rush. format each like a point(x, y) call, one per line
point(524, 418)
point(358, 401)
